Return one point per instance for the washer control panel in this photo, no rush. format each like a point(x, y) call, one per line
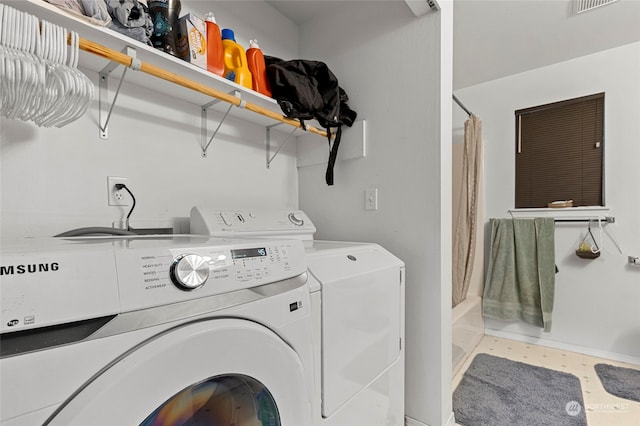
point(148, 278)
point(189, 271)
point(58, 280)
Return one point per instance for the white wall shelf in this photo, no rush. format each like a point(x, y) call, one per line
point(254, 107)
point(585, 213)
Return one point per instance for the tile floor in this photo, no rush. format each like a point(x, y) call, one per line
point(603, 409)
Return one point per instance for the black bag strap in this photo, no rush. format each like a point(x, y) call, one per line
point(333, 153)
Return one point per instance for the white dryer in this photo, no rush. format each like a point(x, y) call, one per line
point(148, 331)
point(357, 296)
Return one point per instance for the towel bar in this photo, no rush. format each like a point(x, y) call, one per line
point(606, 219)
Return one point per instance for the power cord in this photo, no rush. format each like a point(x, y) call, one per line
point(120, 186)
point(97, 230)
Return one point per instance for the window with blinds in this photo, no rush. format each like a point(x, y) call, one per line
point(559, 153)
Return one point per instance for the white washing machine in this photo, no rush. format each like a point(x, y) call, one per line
point(357, 296)
point(155, 331)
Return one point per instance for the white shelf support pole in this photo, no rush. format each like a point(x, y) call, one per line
point(270, 157)
point(204, 140)
point(103, 86)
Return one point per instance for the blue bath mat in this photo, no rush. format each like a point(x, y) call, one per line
point(620, 381)
point(499, 392)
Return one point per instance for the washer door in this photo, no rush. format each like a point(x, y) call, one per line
point(211, 372)
point(222, 400)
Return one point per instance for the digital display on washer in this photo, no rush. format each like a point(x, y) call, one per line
point(251, 252)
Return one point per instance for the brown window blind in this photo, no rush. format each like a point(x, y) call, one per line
point(559, 153)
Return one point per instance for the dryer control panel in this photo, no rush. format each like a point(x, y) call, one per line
point(251, 223)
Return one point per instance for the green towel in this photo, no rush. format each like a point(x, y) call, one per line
point(521, 274)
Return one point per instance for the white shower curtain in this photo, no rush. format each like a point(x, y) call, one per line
point(464, 238)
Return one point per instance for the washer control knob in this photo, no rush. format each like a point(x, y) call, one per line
point(189, 271)
point(295, 220)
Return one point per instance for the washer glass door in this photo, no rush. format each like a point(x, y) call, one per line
point(223, 400)
point(213, 372)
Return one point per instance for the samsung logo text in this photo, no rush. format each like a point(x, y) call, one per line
point(29, 269)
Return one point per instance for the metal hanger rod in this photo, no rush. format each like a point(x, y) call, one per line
point(606, 219)
point(461, 105)
point(128, 61)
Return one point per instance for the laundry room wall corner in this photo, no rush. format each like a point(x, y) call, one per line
point(409, 162)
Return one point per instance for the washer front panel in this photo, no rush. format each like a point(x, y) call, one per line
point(131, 389)
point(40, 381)
point(36, 383)
point(56, 287)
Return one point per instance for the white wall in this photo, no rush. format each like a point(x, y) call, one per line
point(596, 303)
point(396, 69)
point(55, 179)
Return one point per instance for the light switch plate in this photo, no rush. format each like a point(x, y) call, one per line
point(371, 199)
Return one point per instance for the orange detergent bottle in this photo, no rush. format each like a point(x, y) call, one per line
point(215, 53)
point(235, 60)
point(255, 60)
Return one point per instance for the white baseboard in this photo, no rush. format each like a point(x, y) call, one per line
point(564, 346)
point(452, 420)
point(408, 421)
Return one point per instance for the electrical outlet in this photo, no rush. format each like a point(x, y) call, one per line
point(117, 197)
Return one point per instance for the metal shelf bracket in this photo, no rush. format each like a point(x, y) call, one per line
point(104, 104)
point(268, 144)
point(204, 142)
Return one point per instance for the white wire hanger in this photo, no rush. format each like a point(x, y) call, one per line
point(39, 77)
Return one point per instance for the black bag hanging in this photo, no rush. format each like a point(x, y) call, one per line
point(308, 90)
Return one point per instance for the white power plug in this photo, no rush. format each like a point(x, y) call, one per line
point(116, 197)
